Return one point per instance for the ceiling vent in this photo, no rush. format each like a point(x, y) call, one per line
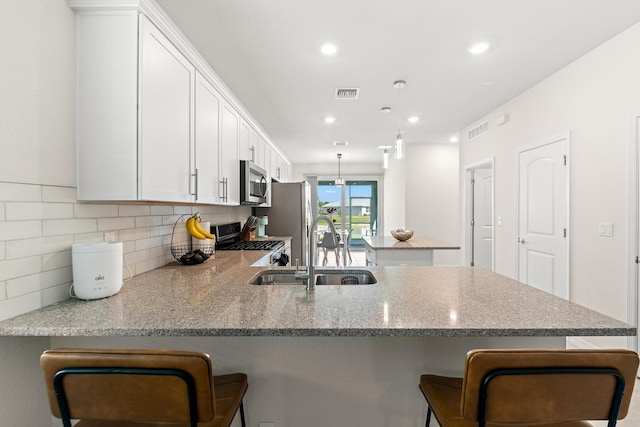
point(479, 130)
point(347, 93)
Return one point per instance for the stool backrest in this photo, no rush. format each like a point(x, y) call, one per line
point(129, 385)
point(532, 386)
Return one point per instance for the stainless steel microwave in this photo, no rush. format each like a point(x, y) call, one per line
point(253, 183)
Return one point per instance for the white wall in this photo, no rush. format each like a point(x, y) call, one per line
point(394, 196)
point(592, 98)
point(432, 202)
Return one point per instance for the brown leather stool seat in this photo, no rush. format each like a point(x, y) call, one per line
point(126, 388)
point(543, 388)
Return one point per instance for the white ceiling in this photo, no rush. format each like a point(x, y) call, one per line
point(268, 54)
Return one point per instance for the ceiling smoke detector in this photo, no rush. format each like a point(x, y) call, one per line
point(347, 93)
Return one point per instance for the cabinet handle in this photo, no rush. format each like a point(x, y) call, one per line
point(253, 153)
point(195, 175)
point(226, 189)
point(278, 170)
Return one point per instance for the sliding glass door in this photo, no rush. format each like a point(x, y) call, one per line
point(352, 207)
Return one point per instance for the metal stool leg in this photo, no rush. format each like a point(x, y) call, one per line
point(242, 414)
point(428, 416)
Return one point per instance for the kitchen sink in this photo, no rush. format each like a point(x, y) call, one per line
point(323, 277)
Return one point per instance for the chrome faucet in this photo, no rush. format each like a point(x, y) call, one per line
point(309, 276)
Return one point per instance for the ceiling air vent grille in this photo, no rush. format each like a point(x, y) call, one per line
point(479, 130)
point(347, 93)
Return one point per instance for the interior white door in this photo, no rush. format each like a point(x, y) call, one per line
point(483, 218)
point(543, 249)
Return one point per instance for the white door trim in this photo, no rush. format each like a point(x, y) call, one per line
point(468, 171)
point(541, 143)
point(633, 243)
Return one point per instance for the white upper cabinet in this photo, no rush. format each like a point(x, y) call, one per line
point(155, 123)
point(252, 146)
point(135, 112)
point(229, 157)
point(165, 151)
point(207, 143)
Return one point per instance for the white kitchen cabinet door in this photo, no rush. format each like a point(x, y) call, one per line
point(229, 157)
point(207, 141)
point(244, 145)
point(165, 149)
point(260, 152)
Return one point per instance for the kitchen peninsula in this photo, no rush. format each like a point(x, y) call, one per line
point(386, 250)
point(346, 355)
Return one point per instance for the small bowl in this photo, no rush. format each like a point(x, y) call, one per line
point(402, 235)
point(192, 255)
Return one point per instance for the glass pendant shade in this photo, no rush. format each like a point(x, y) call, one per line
point(399, 146)
point(385, 159)
point(339, 182)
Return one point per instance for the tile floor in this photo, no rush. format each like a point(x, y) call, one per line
point(632, 419)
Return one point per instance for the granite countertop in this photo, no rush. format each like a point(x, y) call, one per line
point(215, 299)
point(416, 242)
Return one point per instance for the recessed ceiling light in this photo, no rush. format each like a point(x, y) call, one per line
point(385, 110)
point(413, 119)
point(453, 139)
point(329, 119)
point(329, 49)
point(478, 48)
point(488, 83)
point(340, 143)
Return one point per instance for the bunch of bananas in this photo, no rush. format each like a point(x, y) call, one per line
point(196, 230)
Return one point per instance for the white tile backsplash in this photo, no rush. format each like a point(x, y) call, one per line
point(11, 192)
point(12, 230)
point(38, 225)
point(108, 224)
point(37, 210)
point(134, 210)
point(95, 211)
point(58, 227)
point(58, 194)
point(38, 246)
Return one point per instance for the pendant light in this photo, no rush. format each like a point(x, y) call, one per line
point(339, 182)
point(399, 145)
point(385, 155)
point(399, 84)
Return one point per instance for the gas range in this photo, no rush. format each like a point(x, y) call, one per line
point(228, 238)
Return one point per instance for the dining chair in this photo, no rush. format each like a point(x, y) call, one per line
point(123, 388)
point(330, 244)
point(525, 387)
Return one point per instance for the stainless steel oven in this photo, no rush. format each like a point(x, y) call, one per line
point(253, 183)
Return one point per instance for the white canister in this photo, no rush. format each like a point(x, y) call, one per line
point(97, 269)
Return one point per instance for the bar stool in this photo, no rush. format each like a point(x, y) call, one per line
point(123, 388)
point(560, 388)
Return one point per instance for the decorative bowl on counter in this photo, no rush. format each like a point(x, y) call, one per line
point(401, 234)
point(192, 254)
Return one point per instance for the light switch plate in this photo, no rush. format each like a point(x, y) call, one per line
point(606, 229)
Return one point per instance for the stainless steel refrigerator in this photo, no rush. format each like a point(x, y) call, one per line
point(290, 215)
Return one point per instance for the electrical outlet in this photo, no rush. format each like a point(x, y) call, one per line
point(267, 424)
point(606, 229)
point(110, 236)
